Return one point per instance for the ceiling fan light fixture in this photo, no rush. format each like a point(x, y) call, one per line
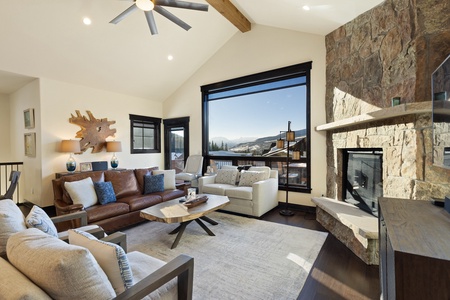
point(145, 5)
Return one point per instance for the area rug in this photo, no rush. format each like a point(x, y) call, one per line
point(247, 259)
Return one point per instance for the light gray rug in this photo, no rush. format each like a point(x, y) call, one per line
point(247, 259)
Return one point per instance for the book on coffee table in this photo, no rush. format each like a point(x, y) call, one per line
point(173, 211)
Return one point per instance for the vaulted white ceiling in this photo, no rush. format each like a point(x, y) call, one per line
point(47, 39)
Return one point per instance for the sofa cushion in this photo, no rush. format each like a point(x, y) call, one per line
point(139, 202)
point(143, 265)
point(124, 182)
point(100, 212)
point(264, 169)
point(169, 178)
point(153, 183)
point(241, 192)
point(82, 192)
point(15, 285)
point(63, 271)
point(38, 218)
point(12, 220)
point(105, 192)
point(227, 176)
point(111, 258)
point(216, 188)
point(140, 173)
point(248, 178)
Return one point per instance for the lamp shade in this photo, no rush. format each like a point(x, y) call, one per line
point(290, 136)
point(113, 146)
point(280, 143)
point(70, 146)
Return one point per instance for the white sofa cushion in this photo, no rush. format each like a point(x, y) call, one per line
point(15, 285)
point(63, 271)
point(143, 265)
point(226, 176)
point(82, 192)
point(38, 218)
point(242, 192)
point(12, 220)
point(111, 258)
point(216, 188)
point(169, 178)
point(248, 178)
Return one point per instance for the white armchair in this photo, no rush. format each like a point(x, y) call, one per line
point(192, 170)
point(254, 194)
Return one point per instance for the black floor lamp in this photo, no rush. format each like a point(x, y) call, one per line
point(290, 137)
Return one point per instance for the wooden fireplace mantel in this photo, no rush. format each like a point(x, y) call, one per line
point(381, 114)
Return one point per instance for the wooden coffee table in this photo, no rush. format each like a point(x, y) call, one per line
point(196, 214)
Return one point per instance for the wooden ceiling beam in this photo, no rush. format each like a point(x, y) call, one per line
point(232, 14)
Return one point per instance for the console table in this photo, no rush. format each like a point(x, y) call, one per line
point(414, 249)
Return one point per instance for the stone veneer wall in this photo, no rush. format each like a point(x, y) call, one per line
point(388, 51)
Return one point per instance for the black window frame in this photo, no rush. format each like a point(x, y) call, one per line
point(302, 69)
point(156, 122)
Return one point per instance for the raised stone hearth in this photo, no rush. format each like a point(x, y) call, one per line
point(355, 228)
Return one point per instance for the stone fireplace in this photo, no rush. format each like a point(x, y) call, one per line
point(388, 51)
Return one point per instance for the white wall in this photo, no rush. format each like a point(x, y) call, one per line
point(5, 149)
point(54, 102)
point(261, 49)
point(24, 98)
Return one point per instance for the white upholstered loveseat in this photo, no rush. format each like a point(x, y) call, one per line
point(252, 192)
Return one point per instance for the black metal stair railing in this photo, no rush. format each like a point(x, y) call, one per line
point(5, 171)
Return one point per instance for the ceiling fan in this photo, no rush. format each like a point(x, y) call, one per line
point(148, 6)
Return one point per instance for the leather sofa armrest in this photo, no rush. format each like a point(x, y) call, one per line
point(63, 208)
point(181, 266)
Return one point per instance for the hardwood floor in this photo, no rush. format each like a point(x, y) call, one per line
point(337, 273)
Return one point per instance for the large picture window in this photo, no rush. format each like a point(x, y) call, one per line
point(244, 117)
point(145, 134)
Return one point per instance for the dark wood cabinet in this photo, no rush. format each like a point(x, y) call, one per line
point(414, 250)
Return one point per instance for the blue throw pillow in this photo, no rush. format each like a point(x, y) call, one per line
point(105, 192)
point(153, 183)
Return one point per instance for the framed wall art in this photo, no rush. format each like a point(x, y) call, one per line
point(85, 166)
point(30, 144)
point(28, 118)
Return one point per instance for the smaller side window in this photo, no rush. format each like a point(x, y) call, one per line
point(145, 134)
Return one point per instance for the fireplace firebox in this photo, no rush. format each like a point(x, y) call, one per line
point(363, 178)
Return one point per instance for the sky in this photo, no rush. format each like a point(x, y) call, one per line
point(258, 115)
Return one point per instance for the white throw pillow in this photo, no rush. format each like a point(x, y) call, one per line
point(12, 220)
point(226, 176)
point(38, 218)
point(82, 192)
point(248, 178)
point(111, 258)
point(63, 271)
point(169, 178)
point(264, 169)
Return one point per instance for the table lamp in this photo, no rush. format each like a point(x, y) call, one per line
point(70, 146)
point(114, 146)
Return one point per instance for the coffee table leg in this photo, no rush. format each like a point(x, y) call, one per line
point(202, 225)
point(209, 220)
point(180, 231)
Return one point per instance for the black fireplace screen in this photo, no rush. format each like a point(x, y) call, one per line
point(363, 178)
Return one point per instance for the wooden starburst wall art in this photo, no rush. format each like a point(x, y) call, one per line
point(93, 131)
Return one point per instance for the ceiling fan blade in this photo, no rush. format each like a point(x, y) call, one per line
point(123, 15)
point(151, 22)
point(164, 12)
point(182, 4)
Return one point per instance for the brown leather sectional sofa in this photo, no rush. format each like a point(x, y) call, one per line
point(128, 187)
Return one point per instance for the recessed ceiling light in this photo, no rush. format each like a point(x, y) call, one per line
point(306, 7)
point(170, 57)
point(87, 21)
